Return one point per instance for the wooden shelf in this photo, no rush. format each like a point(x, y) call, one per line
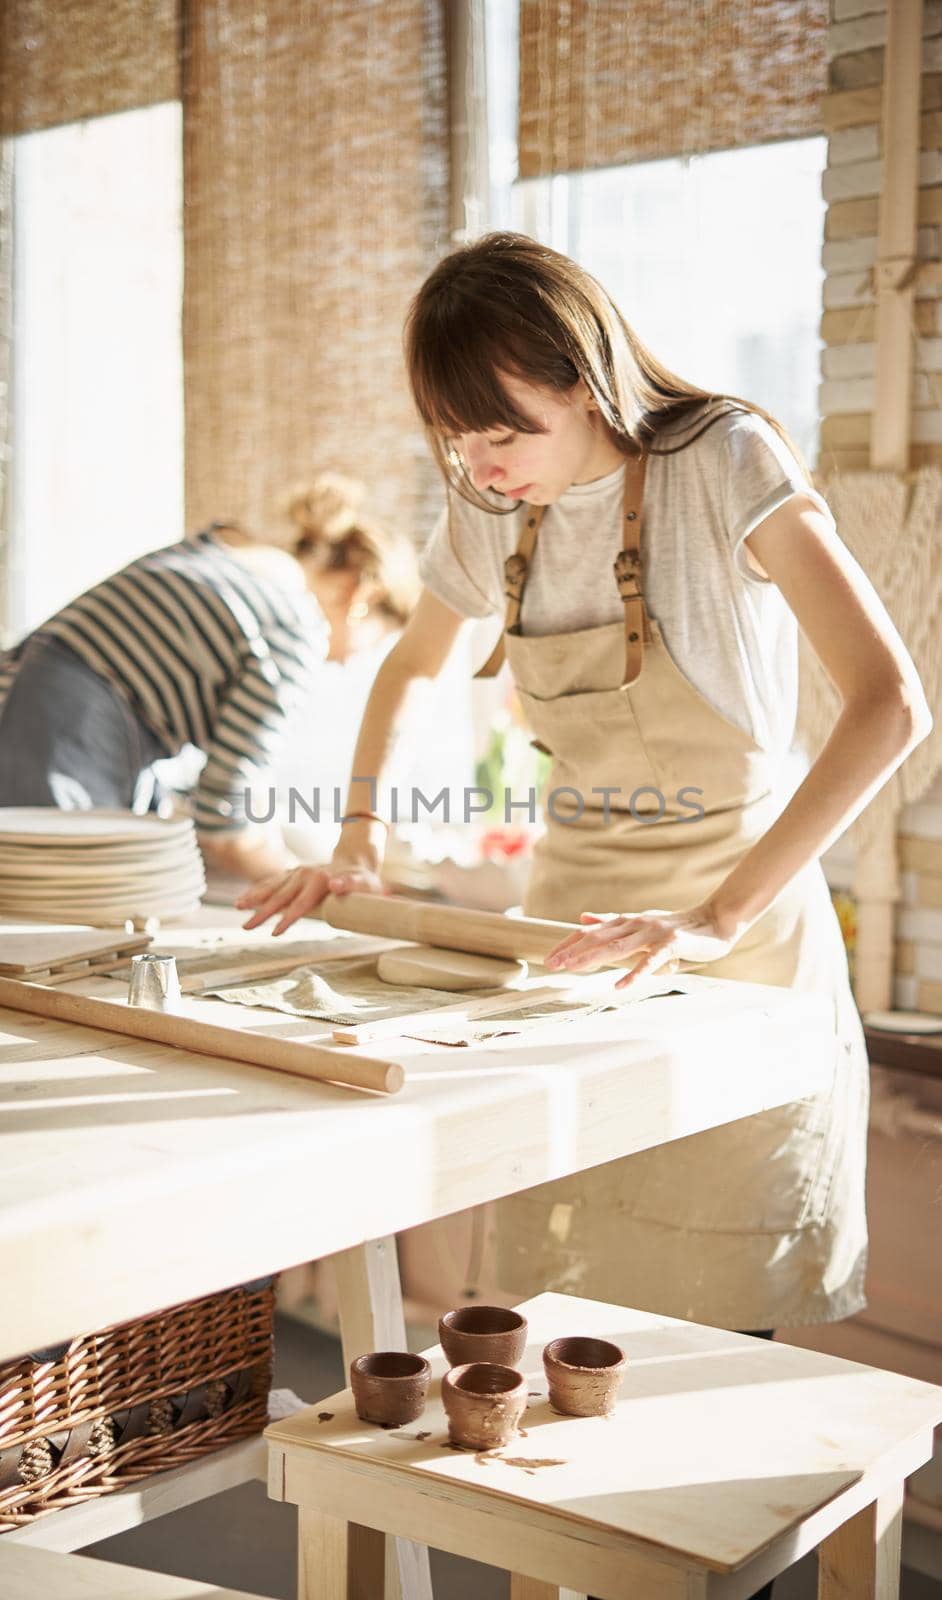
point(77, 1526)
point(906, 1052)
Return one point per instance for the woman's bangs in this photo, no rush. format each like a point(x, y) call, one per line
point(461, 392)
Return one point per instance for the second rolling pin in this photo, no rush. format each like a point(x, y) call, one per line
point(294, 1056)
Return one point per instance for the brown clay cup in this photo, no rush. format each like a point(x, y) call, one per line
point(483, 1333)
point(584, 1375)
point(484, 1403)
point(390, 1386)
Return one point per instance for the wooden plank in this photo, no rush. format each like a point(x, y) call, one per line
point(27, 1574)
point(188, 1032)
point(27, 947)
point(861, 1561)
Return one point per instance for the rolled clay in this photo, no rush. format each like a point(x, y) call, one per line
point(428, 967)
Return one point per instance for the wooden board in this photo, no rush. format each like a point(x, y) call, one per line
point(27, 947)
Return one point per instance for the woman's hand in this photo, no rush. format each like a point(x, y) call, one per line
point(294, 894)
point(650, 942)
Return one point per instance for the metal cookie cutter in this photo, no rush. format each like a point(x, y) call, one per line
point(154, 983)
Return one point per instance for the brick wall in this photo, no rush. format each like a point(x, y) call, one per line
point(851, 186)
point(852, 181)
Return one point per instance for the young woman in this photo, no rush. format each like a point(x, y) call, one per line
point(653, 550)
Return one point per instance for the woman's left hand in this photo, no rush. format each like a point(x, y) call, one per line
point(646, 943)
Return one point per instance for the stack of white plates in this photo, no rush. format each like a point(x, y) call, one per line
point(100, 867)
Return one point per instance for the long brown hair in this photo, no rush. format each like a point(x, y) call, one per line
point(509, 305)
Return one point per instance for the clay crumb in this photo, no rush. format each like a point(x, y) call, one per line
point(523, 1433)
point(529, 1464)
point(534, 1394)
point(423, 1435)
point(325, 1416)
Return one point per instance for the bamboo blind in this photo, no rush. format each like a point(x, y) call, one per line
point(604, 83)
point(64, 60)
point(6, 339)
point(315, 180)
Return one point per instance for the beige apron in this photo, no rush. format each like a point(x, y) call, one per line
point(761, 1223)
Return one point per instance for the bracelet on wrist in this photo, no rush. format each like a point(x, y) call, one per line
point(365, 816)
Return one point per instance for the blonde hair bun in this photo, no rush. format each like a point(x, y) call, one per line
point(326, 508)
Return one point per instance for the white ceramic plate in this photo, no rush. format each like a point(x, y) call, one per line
point(903, 1021)
point(100, 825)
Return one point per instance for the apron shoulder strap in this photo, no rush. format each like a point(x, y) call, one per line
point(516, 568)
point(627, 577)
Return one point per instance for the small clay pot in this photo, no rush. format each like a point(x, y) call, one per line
point(584, 1375)
point(483, 1333)
point(484, 1403)
point(389, 1386)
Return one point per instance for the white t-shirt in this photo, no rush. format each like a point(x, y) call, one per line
point(727, 627)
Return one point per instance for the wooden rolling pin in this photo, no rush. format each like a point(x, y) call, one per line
point(206, 1038)
point(485, 933)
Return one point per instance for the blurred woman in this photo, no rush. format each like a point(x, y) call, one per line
point(207, 643)
point(365, 579)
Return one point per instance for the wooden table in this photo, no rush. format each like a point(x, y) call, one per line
point(133, 1176)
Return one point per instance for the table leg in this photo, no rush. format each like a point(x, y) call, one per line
point(338, 1560)
point(522, 1588)
point(369, 1298)
point(861, 1559)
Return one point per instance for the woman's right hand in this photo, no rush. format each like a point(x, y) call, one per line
point(294, 894)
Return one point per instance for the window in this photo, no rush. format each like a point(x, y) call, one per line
point(715, 260)
point(97, 395)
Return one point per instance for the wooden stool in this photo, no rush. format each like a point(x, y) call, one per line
point(726, 1460)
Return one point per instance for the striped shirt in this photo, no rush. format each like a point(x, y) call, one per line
point(206, 651)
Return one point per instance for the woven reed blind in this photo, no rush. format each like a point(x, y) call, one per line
point(315, 180)
point(604, 82)
point(65, 60)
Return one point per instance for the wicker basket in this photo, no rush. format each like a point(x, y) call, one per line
point(113, 1407)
